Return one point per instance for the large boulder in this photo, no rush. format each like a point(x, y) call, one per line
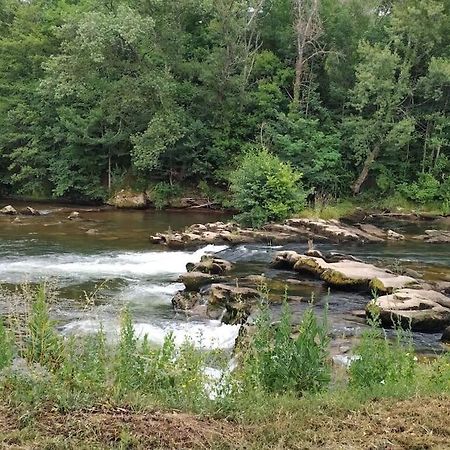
point(8, 210)
point(422, 310)
point(345, 273)
point(127, 199)
point(184, 300)
point(235, 302)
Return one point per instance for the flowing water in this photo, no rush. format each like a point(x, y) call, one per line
point(105, 261)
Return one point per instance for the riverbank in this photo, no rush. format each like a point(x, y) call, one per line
point(417, 422)
point(89, 392)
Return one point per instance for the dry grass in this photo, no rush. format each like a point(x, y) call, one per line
point(417, 423)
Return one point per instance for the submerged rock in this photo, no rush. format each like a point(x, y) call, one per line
point(422, 310)
point(8, 210)
point(128, 199)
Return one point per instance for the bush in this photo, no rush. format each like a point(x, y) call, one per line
point(163, 192)
point(278, 362)
point(426, 189)
point(265, 189)
point(381, 362)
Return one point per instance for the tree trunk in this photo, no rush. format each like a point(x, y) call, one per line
point(371, 157)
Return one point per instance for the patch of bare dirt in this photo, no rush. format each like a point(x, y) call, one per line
point(418, 423)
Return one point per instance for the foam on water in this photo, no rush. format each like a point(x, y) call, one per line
point(76, 267)
point(207, 335)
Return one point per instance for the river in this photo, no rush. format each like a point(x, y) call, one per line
point(105, 261)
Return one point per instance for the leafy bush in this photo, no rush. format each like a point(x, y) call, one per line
point(381, 361)
point(163, 192)
point(278, 362)
point(264, 189)
point(425, 189)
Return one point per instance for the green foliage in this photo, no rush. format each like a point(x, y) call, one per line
point(281, 359)
point(162, 193)
point(382, 362)
point(6, 346)
point(43, 345)
point(265, 188)
point(178, 91)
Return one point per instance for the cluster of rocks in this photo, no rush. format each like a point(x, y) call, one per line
point(404, 300)
point(207, 294)
point(9, 210)
point(292, 230)
point(435, 236)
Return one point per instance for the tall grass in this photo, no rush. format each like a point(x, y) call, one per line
point(278, 365)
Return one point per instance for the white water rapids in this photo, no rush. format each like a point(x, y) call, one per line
point(146, 281)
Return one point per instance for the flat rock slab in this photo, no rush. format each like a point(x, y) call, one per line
point(422, 310)
point(293, 230)
point(345, 273)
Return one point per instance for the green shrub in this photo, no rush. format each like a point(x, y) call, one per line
point(265, 189)
point(6, 346)
point(162, 193)
point(426, 189)
point(280, 362)
point(43, 344)
point(381, 361)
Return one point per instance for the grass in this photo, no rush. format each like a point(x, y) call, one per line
point(329, 209)
point(85, 392)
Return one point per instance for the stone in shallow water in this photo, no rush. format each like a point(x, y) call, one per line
point(422, 310)
point(8, 210)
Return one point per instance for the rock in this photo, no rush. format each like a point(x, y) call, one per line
point(237, 301)
point(184, 300)
point(29, 211)
point(16, 220)
point(422, 310)
point(435, 236)
point(285, 260)
point(8, 210)
point(92, 231)
point(346, 273)
point(196, 280)
point(74, 215)
point(393, 236)
point(372, 229)
point(210, 265)
point(128, 199)
point(446, 336)
point(293, 230)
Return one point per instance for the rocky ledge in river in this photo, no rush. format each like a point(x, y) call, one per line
point(405, 300)
point(292, 230)
point(421, 310)
point(344, 274)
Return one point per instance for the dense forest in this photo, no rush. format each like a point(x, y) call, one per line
point(96, 95)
